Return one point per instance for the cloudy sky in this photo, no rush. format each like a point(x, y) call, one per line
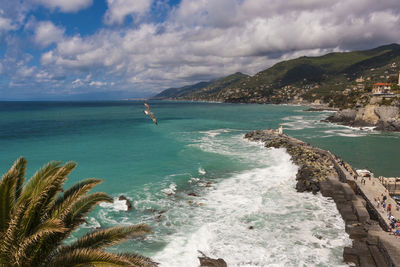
point(108, 49)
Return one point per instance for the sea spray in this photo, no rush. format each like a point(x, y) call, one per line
point(256, 218)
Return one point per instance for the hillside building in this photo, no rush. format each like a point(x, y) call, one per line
point(360, 80)
point(398, 82)
point(382, 89)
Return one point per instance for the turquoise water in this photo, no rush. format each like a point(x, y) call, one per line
point(198, 148)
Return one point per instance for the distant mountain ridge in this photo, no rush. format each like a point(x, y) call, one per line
point(181, 91)
point(300, 79)
point(200, 90)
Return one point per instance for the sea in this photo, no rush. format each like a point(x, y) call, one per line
point(194, 179)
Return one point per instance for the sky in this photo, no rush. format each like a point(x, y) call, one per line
point(115, 49)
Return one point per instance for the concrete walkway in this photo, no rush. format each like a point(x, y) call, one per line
point(384, 241)
point(373, 189)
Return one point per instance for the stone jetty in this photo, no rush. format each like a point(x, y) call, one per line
point(356, 198)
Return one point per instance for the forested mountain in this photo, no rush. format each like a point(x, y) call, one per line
point(301, 79)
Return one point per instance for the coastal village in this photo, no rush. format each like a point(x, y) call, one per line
point(372, 86)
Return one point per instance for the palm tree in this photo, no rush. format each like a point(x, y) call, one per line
point(36, 216)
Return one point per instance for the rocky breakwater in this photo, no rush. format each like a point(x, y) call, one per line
point(319, 170)
point(383, 118)
point(314, 164)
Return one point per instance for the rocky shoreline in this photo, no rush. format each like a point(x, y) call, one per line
point(321, 171)
point(383, 118)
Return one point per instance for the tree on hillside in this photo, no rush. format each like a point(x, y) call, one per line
point(36, 216)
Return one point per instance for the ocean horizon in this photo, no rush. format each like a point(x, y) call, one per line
point(194, 178)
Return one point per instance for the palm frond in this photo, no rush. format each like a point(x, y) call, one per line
point(10, 186)
point(29, 246)
point(20, 166)
point(83, 206)
point(42, 199)
point(36, 217)
point(12, 236)
point(90, 257)
point(64, 202)
point(35, 182)
point(55, 184)
point(139, 260)
point(87, 183)
point(108, 237)
point(75, 216)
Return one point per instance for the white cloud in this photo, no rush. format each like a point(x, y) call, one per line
point(97, 83)
point(65, 5)
point(12, 15)
point(119, 9)
point(6, 24)
point(47, 33)
point(205, 39)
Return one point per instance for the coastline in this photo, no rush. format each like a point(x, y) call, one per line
point(321, 171)
point(382, 119)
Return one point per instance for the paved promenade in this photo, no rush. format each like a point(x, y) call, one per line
point(373, 190)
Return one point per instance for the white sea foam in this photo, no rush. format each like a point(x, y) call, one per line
point(117, 205)
point(289, 229)
point(303, 122)
point(193, 180)
point(346, 132)
point(171, 190)
point(91, 223)
point(202, 171)
point(231, 145)
point(332, 129)
point(213, 133)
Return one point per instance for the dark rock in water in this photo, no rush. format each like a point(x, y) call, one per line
point(193, 194)
point(128, 203)
point(321, 108)
point(158, 218)
point(251, 227)
point(389, 125)
point(209, 262)
point(346, 117)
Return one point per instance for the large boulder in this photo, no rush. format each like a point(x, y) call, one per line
point(392, 125)
point(128, 203)
point(386, 113)
point(367, 116)
point(343, 116)
point(209, 262)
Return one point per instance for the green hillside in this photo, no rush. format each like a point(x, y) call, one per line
point(216, 86)
point(181, 91)
point(314, 77)
point(200, 91)
point(306, 78)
